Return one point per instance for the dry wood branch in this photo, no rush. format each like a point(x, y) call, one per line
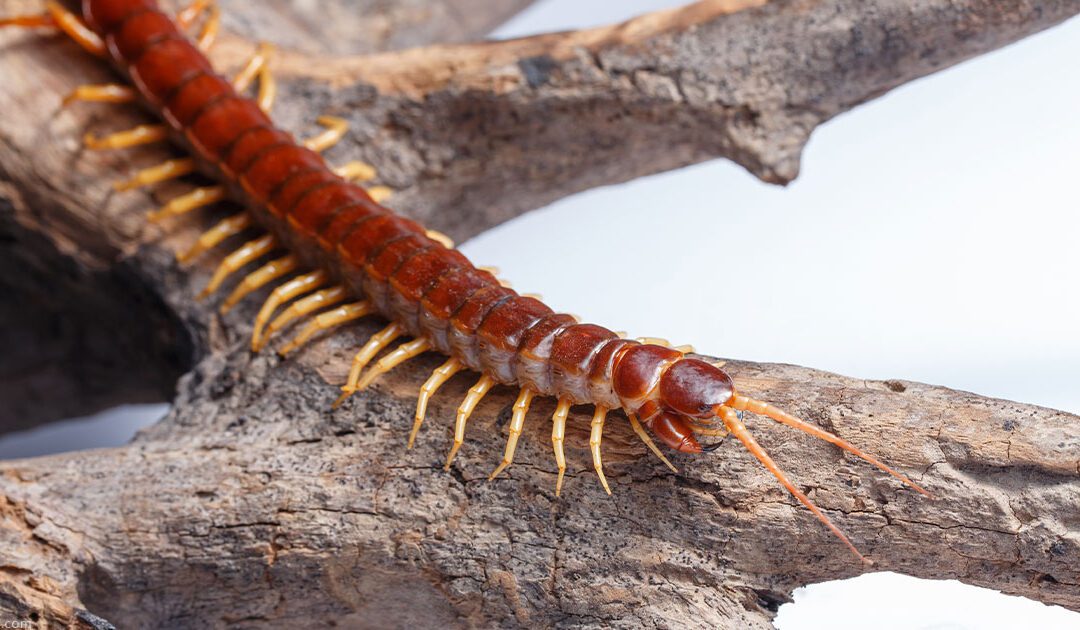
point(254, 503)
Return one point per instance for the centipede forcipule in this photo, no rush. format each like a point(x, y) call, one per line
point(339, 255)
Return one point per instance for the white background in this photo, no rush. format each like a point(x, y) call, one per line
point(932, 236)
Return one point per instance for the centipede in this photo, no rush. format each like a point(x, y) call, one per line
point(334, 254)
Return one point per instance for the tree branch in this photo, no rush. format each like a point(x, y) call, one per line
point(514, 125)
point(252, 501)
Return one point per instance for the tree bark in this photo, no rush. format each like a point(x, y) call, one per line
point(253, 503)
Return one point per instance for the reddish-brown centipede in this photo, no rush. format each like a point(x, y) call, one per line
point(344, 244)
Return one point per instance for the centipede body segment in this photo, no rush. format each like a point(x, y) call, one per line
point(339, 255)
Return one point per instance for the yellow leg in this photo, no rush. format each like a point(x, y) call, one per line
point(322, 321)
point(476, 393)
point(267, 89)
point(399, 355)
point(231, 226)
point(439, 237)
point(248, 252)
point(102, 93)
point(335, 131)
point(210, 28)
point(134, 137)
point(243, 79)
point(187, 202)
point(595, 435)
point(41, 20)
point(428, 389)
point(187, 16)
point(373, 346)
point(380, 193)
point(258, 278)
point(658, 341)
point(517, 421)
point(355, 171)
point(75, 28)
point(169, 169)
point(640, 430)
point(558, 435)
point(293, 288)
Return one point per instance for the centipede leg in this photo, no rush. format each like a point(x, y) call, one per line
point(267, 89)
point(258, 278)
point(323, 321)
point(248, 252)
point(198, 198)
point(209, 239)
point(101, 93)
point(473, 398)
point(187, 16)
point(441, 238)
point(397, 356)
point(641, 433)
point(300, 308)
point(517, 422)
point(336, 128)
point(254, 65)
point(210, 28)
point(73, 26)
point(739, 430)
point(558, 435)
point(373, 346)
point(169, 169)
point(134, 137)
point(596, 434)
point(428, 389)
point(355, 171)
point(380, 194)
point(293, 288)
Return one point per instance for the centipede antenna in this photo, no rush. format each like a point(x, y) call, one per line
point(517, 422)
point(476, 393)
point(428, 389)
point(740, 402)
point(739, 430)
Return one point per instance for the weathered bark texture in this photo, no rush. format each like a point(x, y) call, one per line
point(253, 504)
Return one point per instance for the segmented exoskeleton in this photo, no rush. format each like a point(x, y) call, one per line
point(344, 245)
